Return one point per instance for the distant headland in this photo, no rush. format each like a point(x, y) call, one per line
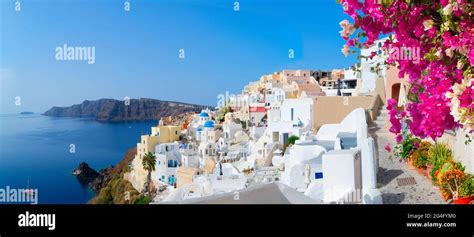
point(26, 113)
point(111, 110)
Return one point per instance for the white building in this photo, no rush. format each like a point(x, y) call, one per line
point(168, 158)
point(207, 149)
point(274, 95)
point(257, 112)
point(190, 156)
point(303, 153)
point(229, 130)
point(367, 74)
point(296, 117)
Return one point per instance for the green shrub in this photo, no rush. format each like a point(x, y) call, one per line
point(439, 154)
point(408, 146)
point(105, 196)
point(127, 169)
point(117, 191)
point(436, 167)
point(467, 188)
point(142, 200)
point(420, 155)
point(222, 112)
point(292, 139)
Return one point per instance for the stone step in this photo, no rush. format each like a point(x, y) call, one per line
point(382, 117)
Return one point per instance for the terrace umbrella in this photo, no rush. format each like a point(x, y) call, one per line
point(402, 97)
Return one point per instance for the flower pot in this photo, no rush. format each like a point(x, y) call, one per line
point(421, 171)
point(429, 168)
point(437, 177)
point(461, 201)
point(410, 164)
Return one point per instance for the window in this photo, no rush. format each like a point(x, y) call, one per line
point(176, 132)
point(292, 113)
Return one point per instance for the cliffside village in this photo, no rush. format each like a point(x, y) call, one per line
point(295, 136)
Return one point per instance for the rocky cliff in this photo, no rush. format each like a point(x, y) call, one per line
point(112, 188)
point(111, 110)
point(106, 174)
point(84, 173)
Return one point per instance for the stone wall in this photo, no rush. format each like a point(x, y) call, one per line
point(333, 109)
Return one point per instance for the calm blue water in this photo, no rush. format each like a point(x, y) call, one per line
point(36, 147)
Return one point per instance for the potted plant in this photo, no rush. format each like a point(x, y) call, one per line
point(419, 162)
point(420, 157)
point(452, 177)
point(465, 192)
point(407, 147)
point(438, 155)
point(448, 166)
point(450, 183)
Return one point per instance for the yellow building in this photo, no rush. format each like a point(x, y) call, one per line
point(159, 134)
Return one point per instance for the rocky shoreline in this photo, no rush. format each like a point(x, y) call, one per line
point(105, 181)
point(85, 174)
point(98, 180)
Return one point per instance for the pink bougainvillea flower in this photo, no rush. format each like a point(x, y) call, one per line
point(442, 32)
point(399, 138)
point(345, 50)
point(471, 55)
point(347, 29)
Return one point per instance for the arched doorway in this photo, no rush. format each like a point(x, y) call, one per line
point(395, 91)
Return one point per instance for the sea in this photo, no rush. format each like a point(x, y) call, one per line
point(40, 152)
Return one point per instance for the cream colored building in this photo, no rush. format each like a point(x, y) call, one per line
point(185, 175)
point(159, 134)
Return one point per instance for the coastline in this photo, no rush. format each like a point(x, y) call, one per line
point(106, 175)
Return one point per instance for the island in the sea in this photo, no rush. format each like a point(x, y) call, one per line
point(111, 110)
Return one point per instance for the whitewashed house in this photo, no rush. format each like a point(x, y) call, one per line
point(229, 130)
point(296, 117)
point(367, 75)
point(207, 149)
point(302, 163)
point(190, 156)
point(168, 158)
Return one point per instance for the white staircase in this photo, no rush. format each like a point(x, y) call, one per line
point(382, 119)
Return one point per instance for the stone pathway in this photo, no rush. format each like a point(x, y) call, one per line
point(423, 192)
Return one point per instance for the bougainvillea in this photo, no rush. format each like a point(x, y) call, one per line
point(462, 106)
point(440, 93)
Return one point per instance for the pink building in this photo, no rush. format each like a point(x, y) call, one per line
point(393, 83)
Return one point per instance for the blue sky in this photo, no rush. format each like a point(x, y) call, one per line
point(137, 51)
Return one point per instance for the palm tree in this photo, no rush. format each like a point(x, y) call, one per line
point(148, 162)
